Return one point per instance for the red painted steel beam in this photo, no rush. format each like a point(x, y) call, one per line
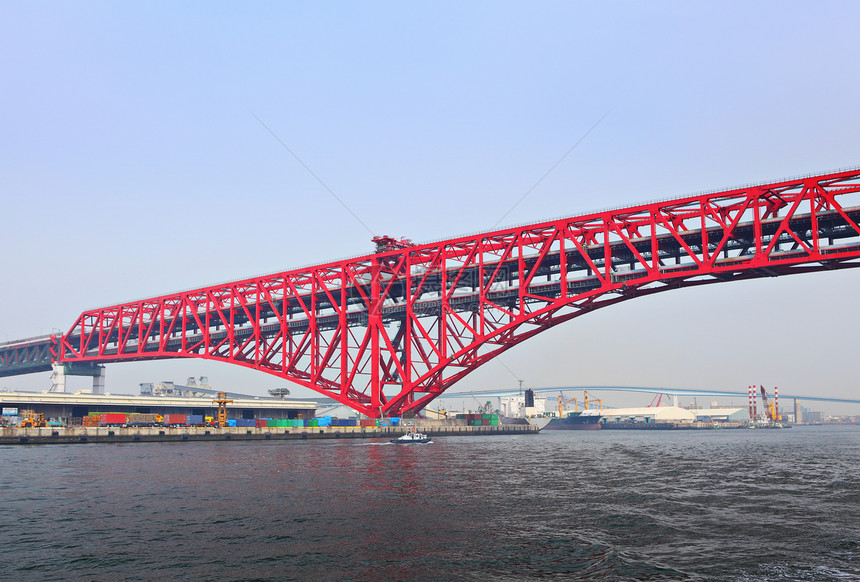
point(386, 333)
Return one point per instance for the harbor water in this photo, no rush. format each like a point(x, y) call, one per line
point(570, 505)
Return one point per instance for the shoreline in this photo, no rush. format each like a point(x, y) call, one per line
point(86, 435)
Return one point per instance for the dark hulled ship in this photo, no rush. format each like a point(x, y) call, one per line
point(585, 420)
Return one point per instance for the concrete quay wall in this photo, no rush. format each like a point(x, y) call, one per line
point(78, 435)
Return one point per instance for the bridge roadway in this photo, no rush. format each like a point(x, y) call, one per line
point(462, 288)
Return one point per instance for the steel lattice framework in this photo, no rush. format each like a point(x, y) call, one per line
point(26, 356)
point(388, 332)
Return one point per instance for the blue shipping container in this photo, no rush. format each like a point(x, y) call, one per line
point(195, 419)
point(231, 422)
point(246, 423)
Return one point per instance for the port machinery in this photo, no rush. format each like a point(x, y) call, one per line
point(386, 333)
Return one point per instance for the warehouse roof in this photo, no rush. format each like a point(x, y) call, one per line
point(660, 413)
point(89, 399)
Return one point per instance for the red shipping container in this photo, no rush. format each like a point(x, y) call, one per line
point(179, 419)
point(260, 423)
point(485, 422)
point(112, 418)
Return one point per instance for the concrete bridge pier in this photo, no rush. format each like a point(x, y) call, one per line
point(60, 371)
point(58, 378)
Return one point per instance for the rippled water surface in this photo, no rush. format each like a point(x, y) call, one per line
point(587, 505)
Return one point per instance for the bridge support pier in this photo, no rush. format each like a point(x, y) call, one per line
point(58, 378)
point(99, 381)
point(60, 371)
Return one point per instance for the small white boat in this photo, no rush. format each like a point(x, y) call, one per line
point(411, 437)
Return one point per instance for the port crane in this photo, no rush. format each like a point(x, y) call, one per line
point(585, 402)
point(770, 408)
point(562, 402)
point(222, 402)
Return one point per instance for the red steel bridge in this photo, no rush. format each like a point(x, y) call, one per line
point(388, 332)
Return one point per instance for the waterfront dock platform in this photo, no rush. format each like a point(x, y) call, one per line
point(78, 434)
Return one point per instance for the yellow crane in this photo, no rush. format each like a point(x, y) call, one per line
point(770, 408)
point(562, 402)
point(599, 401)
point(222, 401)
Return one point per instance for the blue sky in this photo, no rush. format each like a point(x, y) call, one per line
point(132, 165)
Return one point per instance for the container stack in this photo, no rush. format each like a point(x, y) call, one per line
point(480, 419)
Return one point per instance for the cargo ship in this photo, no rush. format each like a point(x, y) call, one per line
point(585, 420)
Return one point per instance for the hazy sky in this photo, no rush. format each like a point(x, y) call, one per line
point(132, 165)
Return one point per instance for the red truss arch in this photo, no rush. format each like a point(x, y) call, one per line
point(387, 333)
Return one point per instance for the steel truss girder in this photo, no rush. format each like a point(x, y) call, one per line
point(387, 333)
point(27, 356)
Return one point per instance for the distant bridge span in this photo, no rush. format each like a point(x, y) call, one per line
point(649, 390)
point(388, 332)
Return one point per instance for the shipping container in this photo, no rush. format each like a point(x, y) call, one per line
point(245, 423)
point(141, 417)
point(231, 423)
point(314, 422)
point(261, 423)
point(112, 419)
point(195, 419)
point(176, 419)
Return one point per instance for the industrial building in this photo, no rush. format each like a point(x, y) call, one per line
point(61, 405)
point(675, 414)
